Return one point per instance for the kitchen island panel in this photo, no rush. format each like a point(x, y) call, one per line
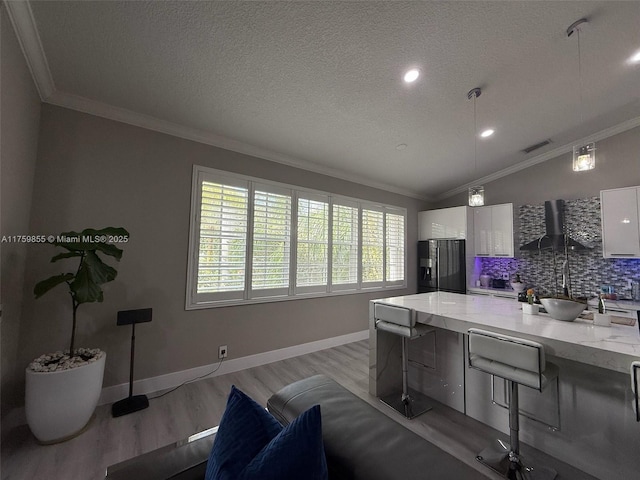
point(435, 368)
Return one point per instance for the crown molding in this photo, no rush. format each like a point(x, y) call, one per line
point(24, 25)
point(23, 22)
point(86, 105)
point(556, 152)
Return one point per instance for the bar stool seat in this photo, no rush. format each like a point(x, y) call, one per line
point(519, 362)
point(518, 375)
point(402, 322)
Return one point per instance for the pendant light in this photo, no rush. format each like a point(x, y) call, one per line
point(476, 193)
point(584, 156)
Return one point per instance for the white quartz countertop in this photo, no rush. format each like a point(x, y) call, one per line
point(613, 347)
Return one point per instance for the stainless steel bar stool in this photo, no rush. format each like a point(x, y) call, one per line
point(402, 321)
point(635, 380)
point(520, 362)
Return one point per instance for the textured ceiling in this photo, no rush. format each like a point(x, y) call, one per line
point(320, 83)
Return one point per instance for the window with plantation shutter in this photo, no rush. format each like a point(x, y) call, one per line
point(253, 241)
point(312, 244)
point(222, 240)
point(372, 246)
point(344, 262)
point(395, 239)
point(271, 241)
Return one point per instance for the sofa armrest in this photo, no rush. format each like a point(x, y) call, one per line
point(183, 460)
point(360, 441)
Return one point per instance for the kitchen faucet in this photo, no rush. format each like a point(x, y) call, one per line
point(565, 272)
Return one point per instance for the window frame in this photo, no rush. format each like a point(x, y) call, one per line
point(195, 301)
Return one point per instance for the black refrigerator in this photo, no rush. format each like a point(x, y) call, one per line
point(442, 266)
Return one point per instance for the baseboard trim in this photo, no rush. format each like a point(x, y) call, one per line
point(171, 380)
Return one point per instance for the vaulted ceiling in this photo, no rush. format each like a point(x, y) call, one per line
point(319, 84)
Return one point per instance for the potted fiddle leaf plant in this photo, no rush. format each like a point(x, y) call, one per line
point(63, 388)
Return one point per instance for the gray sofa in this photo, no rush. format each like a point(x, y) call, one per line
point(360, 442)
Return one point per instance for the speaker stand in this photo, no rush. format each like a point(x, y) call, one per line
point(129, 405)
point(132, 403)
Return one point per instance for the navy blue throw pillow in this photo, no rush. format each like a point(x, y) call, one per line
point(245, 428)
point(295, 453)
point(252, 445)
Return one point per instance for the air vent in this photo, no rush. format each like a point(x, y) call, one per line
point(536, 146)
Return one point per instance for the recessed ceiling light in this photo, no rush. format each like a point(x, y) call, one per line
point(635, 58)
point(401, 146)
point(487, 133)
point(411, 75)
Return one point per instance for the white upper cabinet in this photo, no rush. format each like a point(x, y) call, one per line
point(493, 230)
point(482, 231)
point(454, 222)
point(620, 209)
point(502, 224)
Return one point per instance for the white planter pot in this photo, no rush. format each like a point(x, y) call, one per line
point(530, 309)
point(60, 404)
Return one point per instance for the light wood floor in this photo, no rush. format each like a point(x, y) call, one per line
point(197, 406)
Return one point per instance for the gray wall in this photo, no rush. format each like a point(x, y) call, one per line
point(20, 106)
point(93, 172)
point(617, 165)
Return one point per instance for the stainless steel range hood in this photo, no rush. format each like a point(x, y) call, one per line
point(554, 238)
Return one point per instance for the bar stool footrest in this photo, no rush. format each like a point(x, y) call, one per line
point(415, 404)
point(496, 457)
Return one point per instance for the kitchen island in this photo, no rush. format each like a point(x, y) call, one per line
point(613, 347)
point(588, 420)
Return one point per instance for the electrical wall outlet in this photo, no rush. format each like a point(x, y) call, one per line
point(222, 351)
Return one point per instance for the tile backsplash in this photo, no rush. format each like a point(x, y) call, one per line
point(588, 269)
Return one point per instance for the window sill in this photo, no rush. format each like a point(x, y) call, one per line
point(304, 296)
